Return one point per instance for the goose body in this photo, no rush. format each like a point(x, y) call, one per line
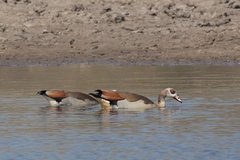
point(61, 97)
point(125, 100)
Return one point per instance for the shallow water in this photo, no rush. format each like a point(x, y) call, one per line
point(205, 126)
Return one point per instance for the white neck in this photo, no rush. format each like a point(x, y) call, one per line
point(51, 101)
point(161, 101)
point(161, 104)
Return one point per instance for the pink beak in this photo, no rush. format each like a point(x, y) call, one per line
point(177, 99)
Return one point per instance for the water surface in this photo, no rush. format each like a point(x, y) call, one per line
point(205, 126)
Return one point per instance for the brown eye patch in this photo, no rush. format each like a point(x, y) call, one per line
point(172, 91)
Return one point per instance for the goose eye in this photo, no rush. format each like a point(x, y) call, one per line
point(172, 91)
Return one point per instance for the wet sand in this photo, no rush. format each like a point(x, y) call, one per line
point(119, 32)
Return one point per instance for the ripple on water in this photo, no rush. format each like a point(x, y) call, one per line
point(204, 126)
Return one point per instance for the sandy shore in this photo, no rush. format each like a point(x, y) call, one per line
point(169, 32)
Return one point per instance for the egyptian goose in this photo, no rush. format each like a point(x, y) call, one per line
point(116, 99)
point(60, 97)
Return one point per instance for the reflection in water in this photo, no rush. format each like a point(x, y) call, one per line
point(205, 126)
point(65, 109)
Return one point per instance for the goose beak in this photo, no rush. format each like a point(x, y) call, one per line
point(177, 99)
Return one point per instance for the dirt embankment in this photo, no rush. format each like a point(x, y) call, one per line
point(119, 31)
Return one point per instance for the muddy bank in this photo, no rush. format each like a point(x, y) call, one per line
point(120, 32)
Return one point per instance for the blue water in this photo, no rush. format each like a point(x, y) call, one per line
point(205, 126)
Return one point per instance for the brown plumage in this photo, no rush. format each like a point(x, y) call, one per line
point(117, 99)
point(61, 97)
